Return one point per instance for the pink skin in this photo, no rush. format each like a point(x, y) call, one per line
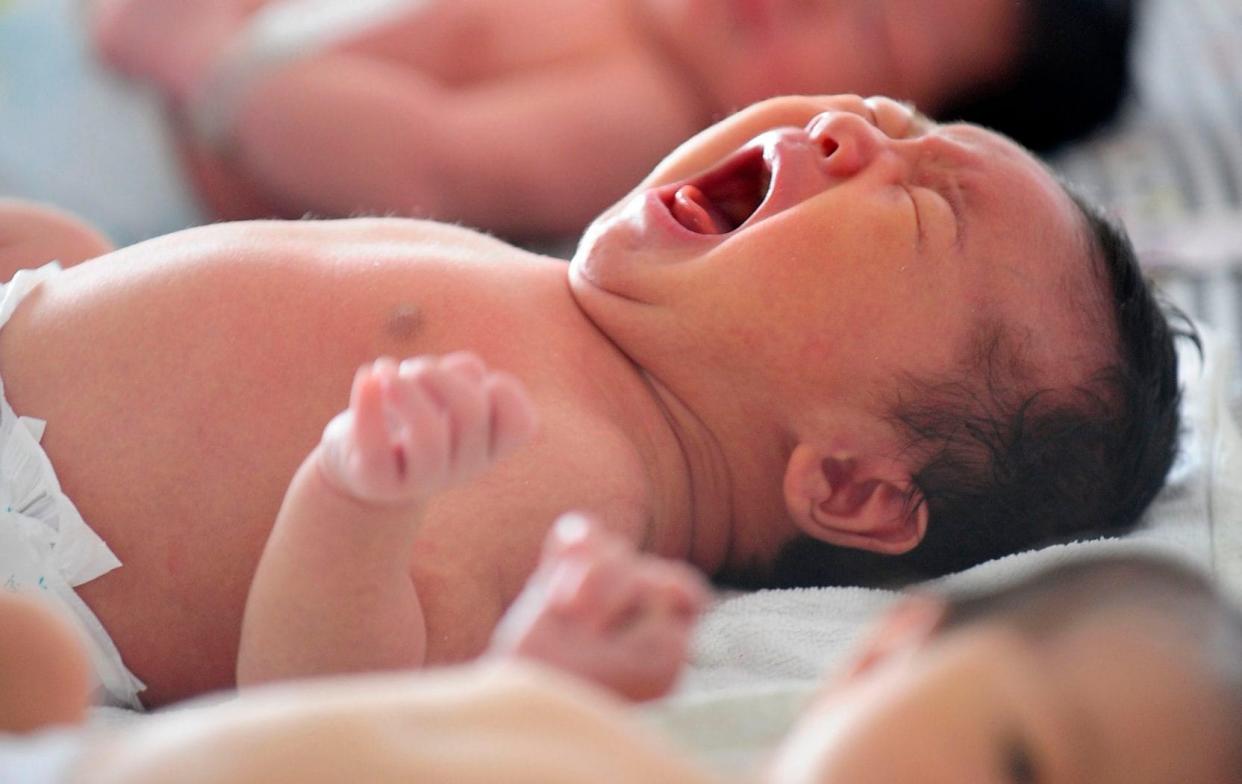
point(32, 234)
point(45, 675)
point(594, 606)
point(426, 91)
point(422, 426)
point(132, 36)
point(878, 242)
point(597, 608)
point(333, 593)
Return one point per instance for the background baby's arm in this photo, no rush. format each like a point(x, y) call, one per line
point(534, 153)
point(333, 592)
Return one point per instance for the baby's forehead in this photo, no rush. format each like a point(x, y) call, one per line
point(1124, 631)
point(1078, 619)
point(1146, 699)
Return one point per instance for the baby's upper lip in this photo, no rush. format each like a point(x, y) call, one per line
point(741, 190)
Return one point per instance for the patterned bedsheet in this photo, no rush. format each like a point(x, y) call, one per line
point(1171, 166)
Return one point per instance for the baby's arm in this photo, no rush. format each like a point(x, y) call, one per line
point(495, 114)
point(536, 153)
point(333, 591)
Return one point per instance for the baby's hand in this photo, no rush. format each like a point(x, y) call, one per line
point(597, 608)
point(419, 427)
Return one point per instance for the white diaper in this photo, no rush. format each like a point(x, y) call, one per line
point(46, 548)
point(77, 136)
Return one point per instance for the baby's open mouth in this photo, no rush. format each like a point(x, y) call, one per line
point(722, 199)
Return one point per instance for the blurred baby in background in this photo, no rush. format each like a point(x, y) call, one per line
point(1108, 669)
point(528, 118)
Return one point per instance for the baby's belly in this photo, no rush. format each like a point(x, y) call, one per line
point(187, 498)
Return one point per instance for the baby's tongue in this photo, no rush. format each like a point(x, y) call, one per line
point(695, 211)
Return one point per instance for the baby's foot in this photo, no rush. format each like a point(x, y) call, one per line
point(171, 44)
point(419, 427)
point(597, 608)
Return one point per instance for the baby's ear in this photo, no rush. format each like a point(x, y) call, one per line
point(854, 500)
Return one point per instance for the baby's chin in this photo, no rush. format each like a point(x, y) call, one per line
point(584, 265)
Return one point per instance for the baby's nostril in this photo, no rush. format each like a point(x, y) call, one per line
point(829, 146)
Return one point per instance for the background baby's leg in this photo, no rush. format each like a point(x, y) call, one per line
point(44, 673)
point(597, 608)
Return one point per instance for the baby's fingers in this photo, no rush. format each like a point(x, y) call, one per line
point(676, 588)
point(356, 449)
point(371, 442)
point(425, 430)
point(513, 419)
point(463, 397)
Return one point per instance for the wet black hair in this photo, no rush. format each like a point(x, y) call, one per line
point(1006, 468)
point(1071, 74)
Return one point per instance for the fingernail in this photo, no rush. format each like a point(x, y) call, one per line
point(572, 528)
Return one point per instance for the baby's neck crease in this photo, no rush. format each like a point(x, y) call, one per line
point(701, 526)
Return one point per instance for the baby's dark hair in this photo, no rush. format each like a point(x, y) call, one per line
point(1071, 75)
point(1005, 468)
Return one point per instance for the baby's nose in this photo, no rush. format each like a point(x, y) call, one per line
point(849, 142)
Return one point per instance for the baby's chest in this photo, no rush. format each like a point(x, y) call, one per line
point(480, 543)
point(466, 581)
